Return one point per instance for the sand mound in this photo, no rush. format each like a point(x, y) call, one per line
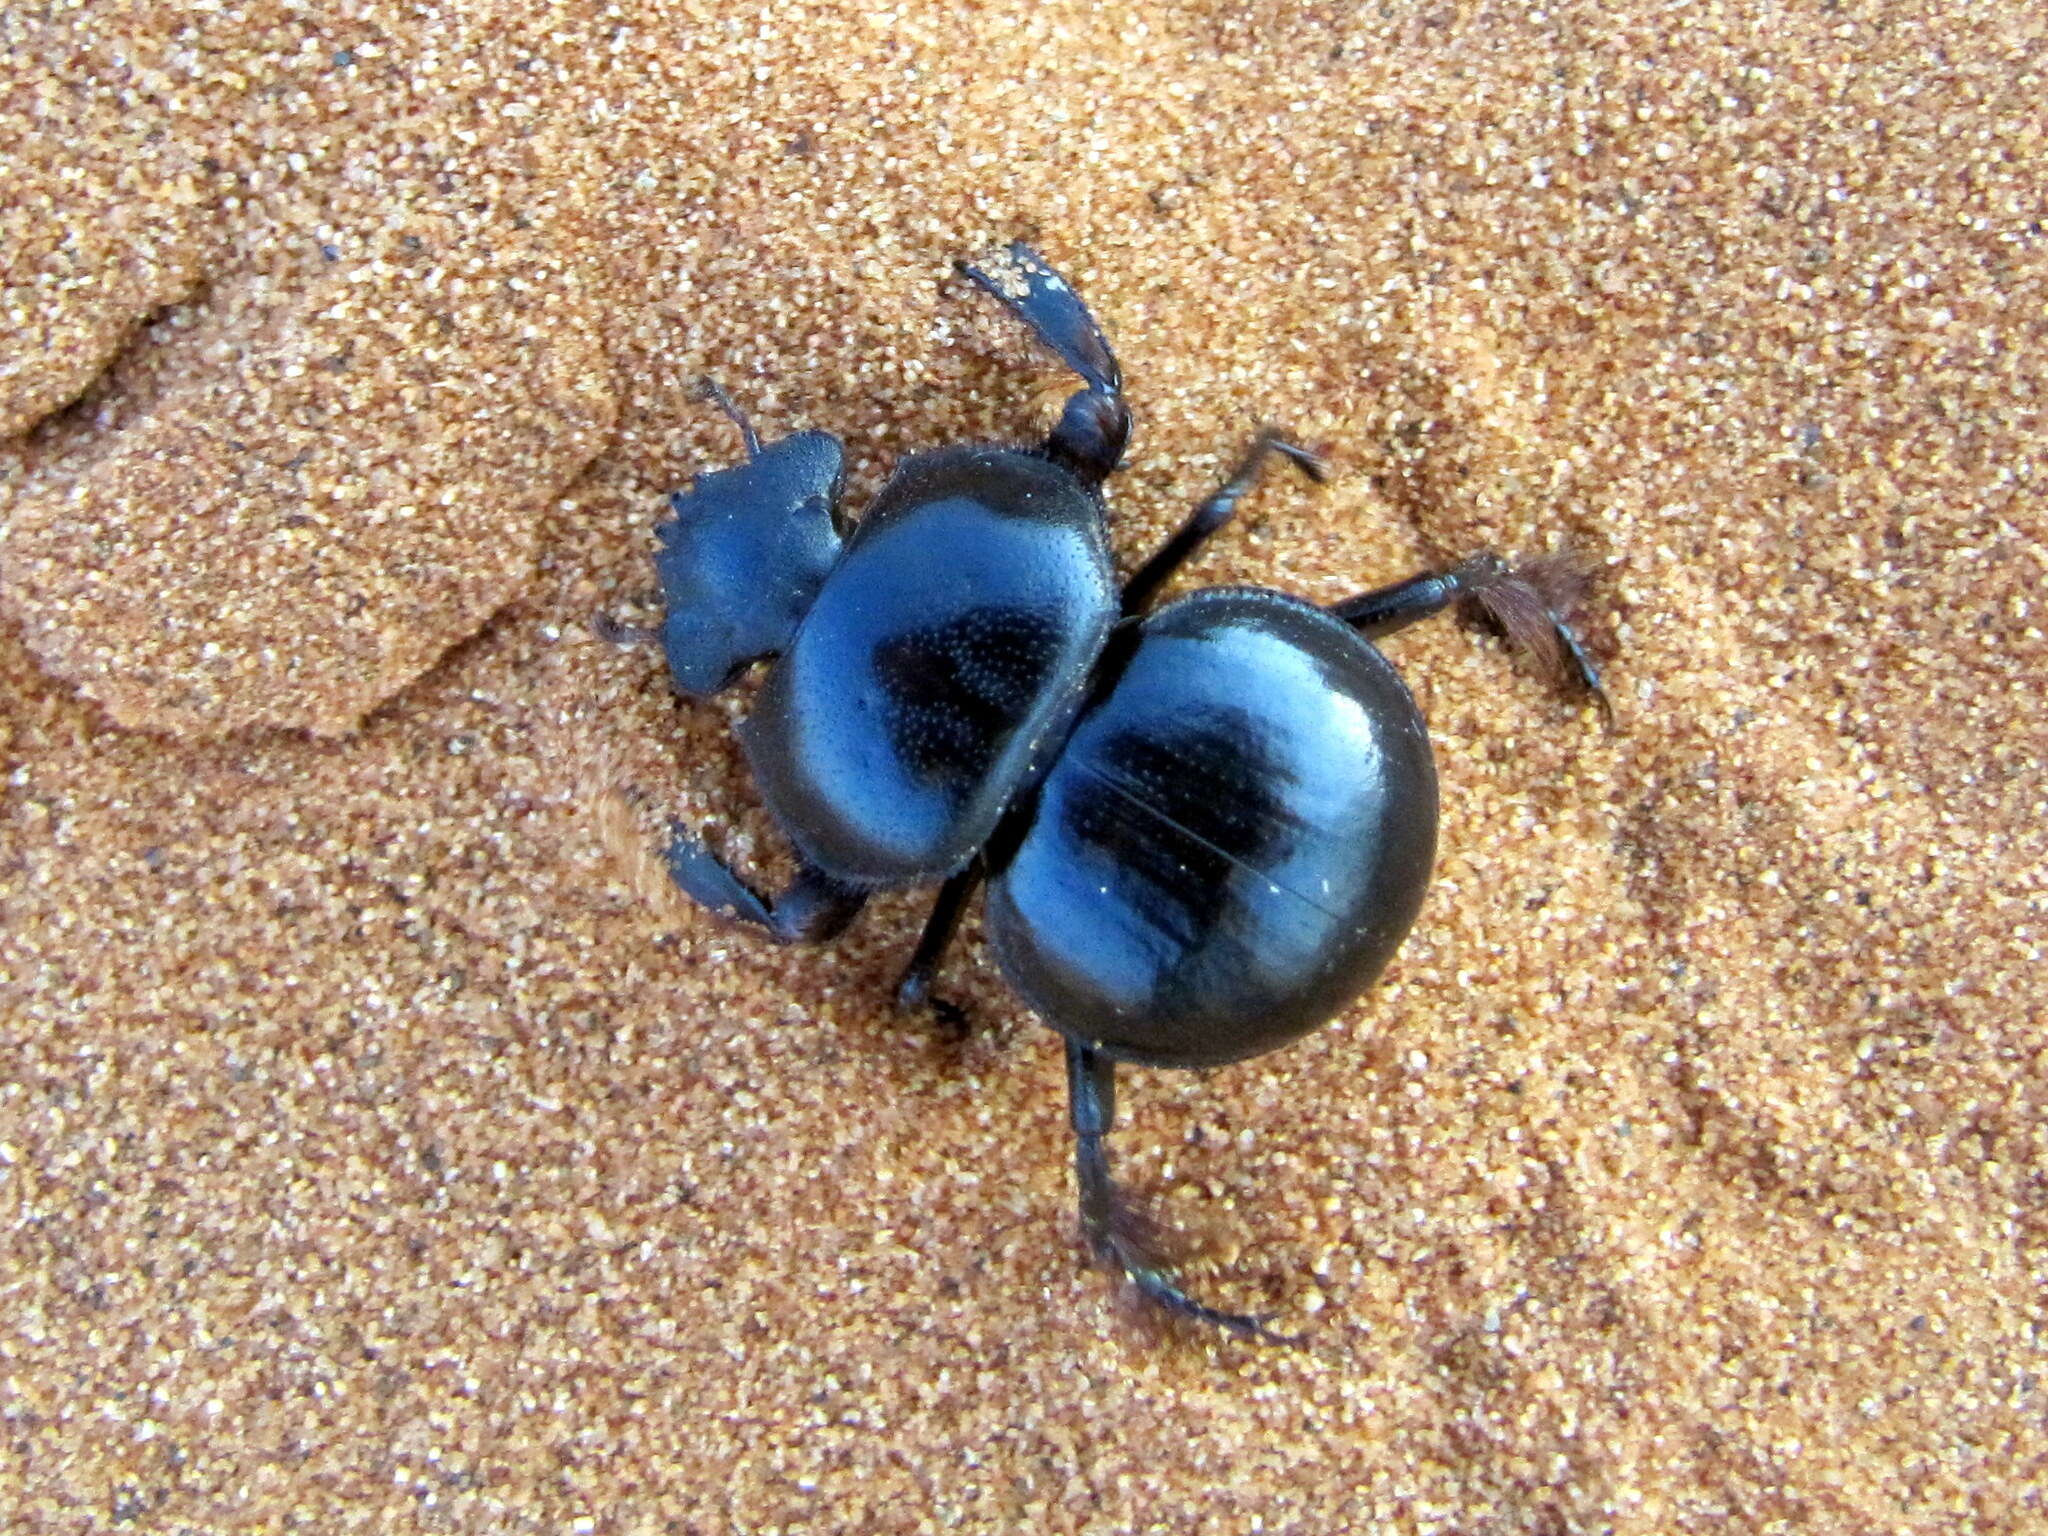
point(305, 487)
point(381, 1147)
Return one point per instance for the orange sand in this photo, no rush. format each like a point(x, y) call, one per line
point(380, 1150)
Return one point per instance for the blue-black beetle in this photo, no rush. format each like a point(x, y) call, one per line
point(1205, 828)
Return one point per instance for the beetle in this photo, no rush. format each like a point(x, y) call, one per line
point(1204, 827)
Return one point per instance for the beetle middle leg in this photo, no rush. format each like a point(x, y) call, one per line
point(1528, 602)
point(810, 909)
point(914, 987)
point(1115, 1232)
point(1213, 513)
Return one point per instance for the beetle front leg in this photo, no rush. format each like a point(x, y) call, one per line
point(1115, 1231)
point(1528, 602)
point(1090, 435)
point(811, 908)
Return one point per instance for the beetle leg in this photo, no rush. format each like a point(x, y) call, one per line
point(1528, 602)
point(616, 632)
point(1020, 278)
point(914, 988)
point(1090, 436)
point(1115, 1231)
point(811, 908)
point(1214, 513)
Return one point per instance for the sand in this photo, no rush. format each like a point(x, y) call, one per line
point(380, 1148)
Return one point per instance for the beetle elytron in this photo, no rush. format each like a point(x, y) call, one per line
point(1205, 827)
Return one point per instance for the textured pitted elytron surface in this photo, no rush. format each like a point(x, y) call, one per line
point(952, 639)
point(374, 1155)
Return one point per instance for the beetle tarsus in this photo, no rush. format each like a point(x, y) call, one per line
point(1162, 1292)
point(914, 987)
point(1118, 1232)
point(1121, 1234)
point(1526, 602)
point(1588, 676)
point(810, 909)
point(914, 995)
point(1558, 580)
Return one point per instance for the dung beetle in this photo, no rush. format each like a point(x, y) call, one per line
point(1205, 827)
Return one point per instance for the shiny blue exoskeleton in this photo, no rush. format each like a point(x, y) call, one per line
point(1232, 843)
point(1205, 828)
point(951, 643)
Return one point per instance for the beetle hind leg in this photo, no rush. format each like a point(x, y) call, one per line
point(1528, 603)
point(1116, 1231)
point(812, 908)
